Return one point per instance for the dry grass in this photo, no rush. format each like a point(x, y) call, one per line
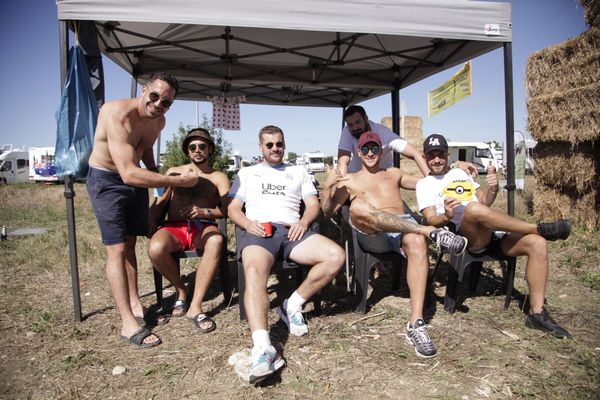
point(45, 354)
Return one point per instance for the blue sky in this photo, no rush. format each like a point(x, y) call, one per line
point(31, 85)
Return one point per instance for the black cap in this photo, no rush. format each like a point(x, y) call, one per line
point(435, 142)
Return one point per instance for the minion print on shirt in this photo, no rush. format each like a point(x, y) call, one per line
point(461, 190)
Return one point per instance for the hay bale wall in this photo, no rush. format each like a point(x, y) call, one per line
point(563, 83)
point(413, 133)
point(591, 11)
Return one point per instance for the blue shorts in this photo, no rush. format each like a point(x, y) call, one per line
point(279, 245)
point(120, 209)
point(383, 242)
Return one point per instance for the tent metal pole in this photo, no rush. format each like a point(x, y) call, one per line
point(69, 191)
point(396, 120)
point(510, 128)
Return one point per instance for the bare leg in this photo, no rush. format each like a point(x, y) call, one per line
point(257, 267)
point(160, 248)
point(326, 258)
point(212, 242)
point(415, 248)
point(370, 220)
point(117, 277)
point(495, 220)
point(132, 276)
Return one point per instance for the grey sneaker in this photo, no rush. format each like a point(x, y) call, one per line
point(544, 322)
point(417, 336)
point(264, 364)
point(295, 322)
point(446, 240)
point(560, 229)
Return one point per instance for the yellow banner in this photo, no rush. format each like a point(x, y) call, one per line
point(450, 92)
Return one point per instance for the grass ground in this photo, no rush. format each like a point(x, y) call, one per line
point(484, 350)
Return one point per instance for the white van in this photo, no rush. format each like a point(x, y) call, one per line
point(478, 153)
point(14, 165)
point(314, 162)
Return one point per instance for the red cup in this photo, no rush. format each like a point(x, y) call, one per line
point(268, 227)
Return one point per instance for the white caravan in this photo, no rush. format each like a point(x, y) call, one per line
point(14, 165)
point(478, 153)
point(41, 165)
point(314, 162)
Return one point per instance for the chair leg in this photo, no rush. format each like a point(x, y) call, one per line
point(363, 270)
point(452, 286)
point(396, 275)
point(224, 277)
point(511, 266)
point(474, 274)
point(241, 290)
point(158, 287)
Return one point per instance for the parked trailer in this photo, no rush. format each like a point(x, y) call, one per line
point(41, 165)
point(478, 153)
point(14, 165)
point(314, 162)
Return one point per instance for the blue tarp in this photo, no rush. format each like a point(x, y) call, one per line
point(76, 119)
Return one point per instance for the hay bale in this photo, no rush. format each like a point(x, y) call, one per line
point(413, 133)
point(561, 165)
point(591, 11)
point(551, 204)
point(567, 65)
point(570, 116)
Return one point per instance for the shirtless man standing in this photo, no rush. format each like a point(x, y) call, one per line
point(190, 224)
point(378, 216)
point(117, 187)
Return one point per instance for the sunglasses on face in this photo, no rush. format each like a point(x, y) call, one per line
point(365, 150)
point(164, 102)
point(192, 147)
point(271, 144)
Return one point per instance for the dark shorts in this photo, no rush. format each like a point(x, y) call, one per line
point(494, 247)
point(278, 245)
point(120, 209)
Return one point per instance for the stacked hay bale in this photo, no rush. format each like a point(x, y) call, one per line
point(563, 82)
point(413, 133)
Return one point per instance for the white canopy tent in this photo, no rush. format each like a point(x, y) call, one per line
point(328, 53)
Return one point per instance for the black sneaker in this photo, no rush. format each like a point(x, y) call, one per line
point(560, 229)
point(417, 335)
point(446, 240)
point(544, 322)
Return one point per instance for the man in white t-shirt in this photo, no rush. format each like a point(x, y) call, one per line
point(357, 123)
point(272, 192)
point(452, 196)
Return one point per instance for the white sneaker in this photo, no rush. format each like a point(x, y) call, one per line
point(264, 363)
point(294, 321)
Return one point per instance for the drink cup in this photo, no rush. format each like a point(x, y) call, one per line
point(268, 227)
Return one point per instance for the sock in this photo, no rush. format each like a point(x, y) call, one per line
point(261, 340)
point(295, 302)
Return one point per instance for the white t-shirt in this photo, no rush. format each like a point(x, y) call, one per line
point(273, 193)
point(390, 142)
point(457, 184)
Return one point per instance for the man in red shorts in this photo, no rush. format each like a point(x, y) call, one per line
point(190, 224)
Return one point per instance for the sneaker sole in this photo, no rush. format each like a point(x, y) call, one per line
point(410, 342)
point(283, 315)
point(532, 325)
point(277, 364)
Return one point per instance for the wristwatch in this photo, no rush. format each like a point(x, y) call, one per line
point(208, 212)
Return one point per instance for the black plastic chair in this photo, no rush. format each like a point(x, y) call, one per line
point(301, 271)
point(223, 268)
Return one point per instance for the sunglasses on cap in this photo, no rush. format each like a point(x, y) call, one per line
point(271, 144)
point(374, 149)
point(192, 147)
point(164, 102)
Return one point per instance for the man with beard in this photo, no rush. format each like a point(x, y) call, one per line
point(117, 187)
point(190, 225)
point(272, 193)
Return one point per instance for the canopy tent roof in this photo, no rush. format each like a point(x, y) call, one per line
point(310, 52)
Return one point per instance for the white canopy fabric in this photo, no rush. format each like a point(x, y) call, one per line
point(309, 52)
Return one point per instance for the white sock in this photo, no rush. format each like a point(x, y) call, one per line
point(295, 302)
point(261, 340)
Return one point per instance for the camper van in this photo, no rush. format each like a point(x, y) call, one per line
point(14, 165)
point(478, 153)
point(41, 165)
point(314, 162)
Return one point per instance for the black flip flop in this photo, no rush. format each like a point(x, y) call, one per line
point(199, 319)
point(137, 339)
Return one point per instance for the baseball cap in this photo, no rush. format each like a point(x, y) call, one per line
point(368, 137)
point(196, 133)
point(435, 142)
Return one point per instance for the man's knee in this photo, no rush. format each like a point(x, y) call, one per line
point(414, 243)
point(214, 242)
point(156, 247)
point(535, 246)
point(474, 211)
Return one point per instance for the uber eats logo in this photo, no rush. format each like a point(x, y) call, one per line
point(277, 190)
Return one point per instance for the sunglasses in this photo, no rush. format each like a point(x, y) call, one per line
point(365, 150)
point(271, 144)
point(192, 147)
point(164, 102)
